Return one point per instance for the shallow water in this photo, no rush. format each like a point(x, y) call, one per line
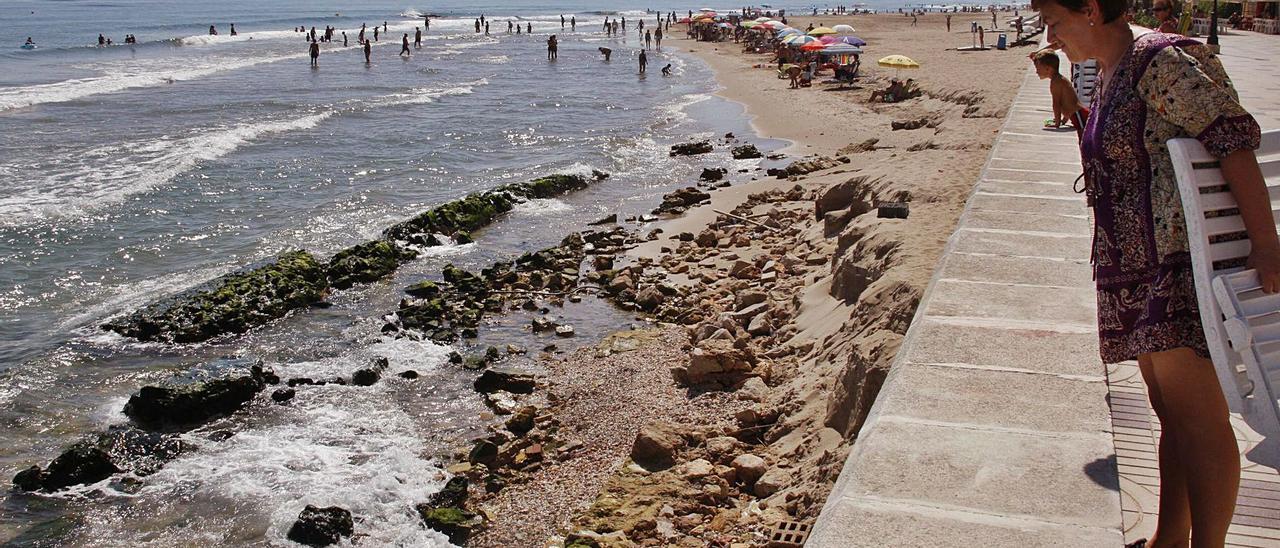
point(133, 172)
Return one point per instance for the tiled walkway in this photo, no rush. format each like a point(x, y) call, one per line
point(998, 425)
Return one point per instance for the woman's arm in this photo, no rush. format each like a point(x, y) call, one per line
point(1240, 169)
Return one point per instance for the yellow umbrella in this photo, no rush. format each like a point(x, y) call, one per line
point(898, 62)
point(821, 31)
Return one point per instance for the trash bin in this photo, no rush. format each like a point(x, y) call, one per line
point(1002, 41)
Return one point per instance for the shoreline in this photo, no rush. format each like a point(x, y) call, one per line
point(797, 312)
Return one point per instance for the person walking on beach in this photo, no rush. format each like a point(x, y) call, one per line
point(367, 50)
point(314, 50)
point(657, 37)
point(417, 37)
point(982, 38)
point(644, 60)
point(1158, 87)
point(948, 22)
point(404, 45)
point(551, 48)
point(913, 19)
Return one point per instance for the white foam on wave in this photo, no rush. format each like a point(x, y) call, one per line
point(79, 88)
point(332, 445)
point(540, 207)
point(107, 175)
point(216, 39)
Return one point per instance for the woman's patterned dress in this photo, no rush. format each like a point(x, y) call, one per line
point(1166, 86)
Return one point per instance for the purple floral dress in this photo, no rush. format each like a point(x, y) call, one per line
point(1166, 86)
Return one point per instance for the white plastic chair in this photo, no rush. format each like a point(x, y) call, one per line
point(1084, 76)
point(1241, 324)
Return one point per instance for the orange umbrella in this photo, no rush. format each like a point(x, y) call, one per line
point(813, 46)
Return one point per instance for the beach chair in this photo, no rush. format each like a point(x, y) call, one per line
point(1241, 324)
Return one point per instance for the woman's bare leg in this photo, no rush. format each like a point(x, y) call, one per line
point(1173, 527)
point(1196, 413)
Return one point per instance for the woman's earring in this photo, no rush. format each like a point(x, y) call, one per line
point(1091, 23)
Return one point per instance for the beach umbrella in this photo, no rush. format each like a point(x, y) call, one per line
point(898, 62)
point(725, 26)
point(843, 29)
point(708, 10)
point(813, 46)
point(850, 40)
point(800, 40)
point(788, 32)
point(821, 31)
point(763, 19)
point(685, 20)
point(772, 25)
point(749, 24)
point(842, 49)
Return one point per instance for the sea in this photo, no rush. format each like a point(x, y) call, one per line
point(132, 171)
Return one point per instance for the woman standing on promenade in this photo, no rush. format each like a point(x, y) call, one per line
point(1155, 87)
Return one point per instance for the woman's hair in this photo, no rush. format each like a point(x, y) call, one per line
point(1111, 9)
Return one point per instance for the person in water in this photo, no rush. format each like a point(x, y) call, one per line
point(486, 28)
point(528, 29)
point(607, 52)
point(213, 31)
point(344, 38)
point(648, 40)
point(657, 37)
point(102, 40)
point(404, 44)
point(233, 30)
point(644, 60)
point(367, 49)
point(417, 37)
point(315, 53)
point(508, 26)
point(29, 42)
point(573, 22)
point(551, 48)
point(375, 34)
point(666, 71)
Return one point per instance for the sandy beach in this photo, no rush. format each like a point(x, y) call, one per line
point(799, 298)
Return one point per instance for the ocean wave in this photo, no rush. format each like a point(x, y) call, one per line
point(70, 90)
point(540, 207)
point(106, 175)
point(332, 445)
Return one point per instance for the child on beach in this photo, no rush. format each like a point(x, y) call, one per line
point(1066, 106)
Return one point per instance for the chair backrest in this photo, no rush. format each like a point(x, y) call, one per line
point(1219, 245)
point(1084, 76)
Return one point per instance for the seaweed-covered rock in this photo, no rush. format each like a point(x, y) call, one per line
point(454, 522)
point(746, 152)
point(233, 303)
point(453, 494)
point(29, 480)
point(322, 526)
point(83, 463)
point(185, 405)
point(366, 262)
point(690, 149)
point(424, 289)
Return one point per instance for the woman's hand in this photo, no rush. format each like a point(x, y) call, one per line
point(1266, 260)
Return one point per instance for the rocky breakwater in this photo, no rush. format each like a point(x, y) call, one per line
point(240, 301)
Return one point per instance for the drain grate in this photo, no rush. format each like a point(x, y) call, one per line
point(789, 534)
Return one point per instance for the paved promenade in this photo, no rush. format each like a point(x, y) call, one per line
point(994, 427)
